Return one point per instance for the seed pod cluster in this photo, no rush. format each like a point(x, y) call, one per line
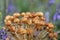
point(15, 23)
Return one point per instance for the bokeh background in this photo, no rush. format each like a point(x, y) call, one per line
point(50, 8)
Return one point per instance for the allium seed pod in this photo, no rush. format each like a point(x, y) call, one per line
point(51, 35)
point(39, 14)
point(8, 17)
point(22, 14)
point(50, 30)
point(12, 28)
point(55, 35)
point(38, 27)
point(16, 15)
point(24, 19)
point(29, 30)
point(42, 18)
point(29, 22)
point(8, 22)
point(21, 31)
point(16, 20)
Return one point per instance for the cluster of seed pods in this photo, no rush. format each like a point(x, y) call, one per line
point(25, 23)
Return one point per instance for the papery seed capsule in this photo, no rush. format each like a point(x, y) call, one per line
point(24, 19)
point(7, 17)
point(50, 30)
point(39, 14)
point(42, 18)
point(29, 30)
point(16, 15)
point(16, 20)
point(51, 35)
point(23, 14)
point(42, 23)
point(21, 31)
point(55, 35)
point(38, 27)
point(8, 22)
point(51, 26)
point(12, 29)
point(29, 22)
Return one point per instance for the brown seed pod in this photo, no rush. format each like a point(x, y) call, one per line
point(39, 14)
point(29, 31)
point(21, 31)
point(24, 19)
point(9, 18)
point(16, 15)
point(29, 22)
point(42, 18)
point(8, 22)
point(50, 25)
point(16, 20)
point(38, 27)
point(51, 35)
point(55, 35)
point(50, 30)
point(22, 14)
point(42, 23)
point(12, 28)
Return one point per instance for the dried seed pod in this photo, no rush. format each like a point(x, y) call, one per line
point(42, 23)
point(50, 30)
point(24, 19)
point(51, 35)
point(39, 14)
point(29, 22)
point(7, 17)
point(55, 35)
point(22, 14)
point(16, 15)
point(21, 31)
point(12, 28)
point(42, 18)
point(29, 31)
point(8, 22)
point(38, 27)
point(16, 20)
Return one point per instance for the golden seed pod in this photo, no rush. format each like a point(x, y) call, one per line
point(38, 27)
point(7, 17)
point(16, 15)
point(50, 35)
point(42, 23)
point(22, 14)
point(12, 28)
point(24, 19)
point(42, 18)
point(39, 14)
point(55, 35)
point(51, 25)
point(29, 22)
point(50, 30)
point(29, 31)
point(21, 31)
point(8, 22)
point(16, 20)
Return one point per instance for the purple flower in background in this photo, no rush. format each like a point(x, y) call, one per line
point(57, 14)
point(11, 7)
point(51, 1)
point(3, 34)
point(47, 14)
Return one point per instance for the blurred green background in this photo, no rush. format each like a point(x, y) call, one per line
point(48, 7)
